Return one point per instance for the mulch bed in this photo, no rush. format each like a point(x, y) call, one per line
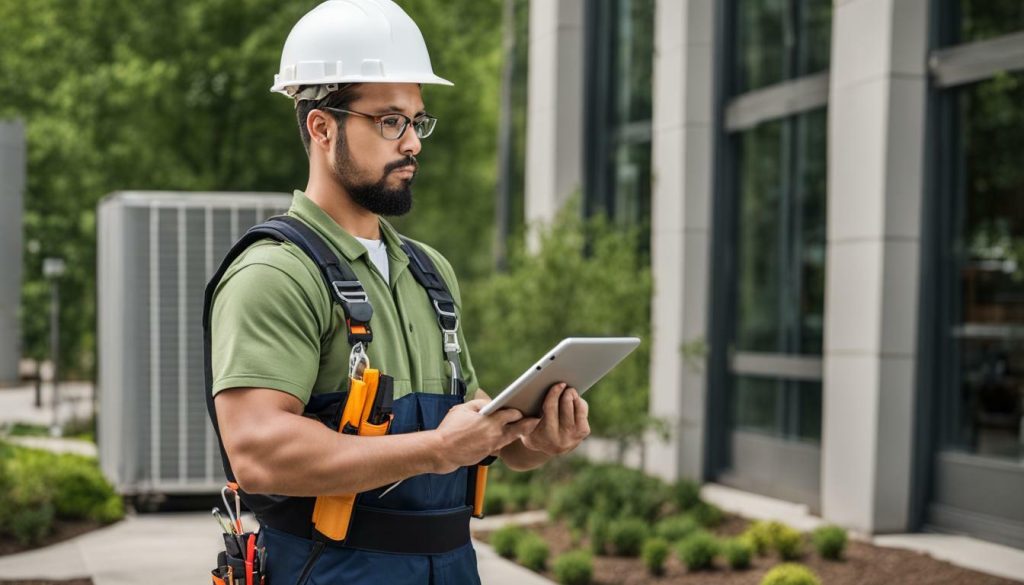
point(863, 564)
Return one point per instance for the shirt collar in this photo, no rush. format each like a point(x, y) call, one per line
point(305, 209)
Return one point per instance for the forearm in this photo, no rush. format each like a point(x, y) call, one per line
point(297, 456)
point(519, 457)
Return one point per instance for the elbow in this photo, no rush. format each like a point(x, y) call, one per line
point(251, 478)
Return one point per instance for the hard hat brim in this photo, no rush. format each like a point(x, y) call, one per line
point(282, 87)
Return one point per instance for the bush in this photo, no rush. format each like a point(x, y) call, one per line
point(495, 498)
point(737, 552)
point(788, 542)
point(698, 551)
point(597, 527)
point(574, 568)
point(518, 498)
point(627, 536)
point(30, 524)
point(605, 260)
point(686, 494)
point(676, 528)
point(707, 515)
point(830, 541)
point(790, 574)
point(759, 536)
point(532, 552)
point(654, 553)
point(613, 490)
point(82, 491)
point(506, 539)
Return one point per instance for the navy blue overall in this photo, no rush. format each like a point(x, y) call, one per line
point(417, 533)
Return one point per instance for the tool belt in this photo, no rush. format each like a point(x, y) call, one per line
point(364, 408)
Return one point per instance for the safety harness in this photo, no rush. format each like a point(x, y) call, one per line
point(371, 529)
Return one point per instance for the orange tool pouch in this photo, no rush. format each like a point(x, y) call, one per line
point(333, 514)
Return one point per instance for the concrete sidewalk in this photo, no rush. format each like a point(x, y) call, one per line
point(171, 549)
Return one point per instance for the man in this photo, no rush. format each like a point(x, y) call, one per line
point(354, 69)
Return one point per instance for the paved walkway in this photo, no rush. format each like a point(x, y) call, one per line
point(171, 549)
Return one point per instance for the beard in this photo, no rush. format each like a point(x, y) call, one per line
point(376, 197)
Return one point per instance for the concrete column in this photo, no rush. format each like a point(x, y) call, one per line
point(875, 171)
point(681, 231)
point(12, 186)
point(554, 127)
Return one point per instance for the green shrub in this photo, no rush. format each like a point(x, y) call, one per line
point(605, 260)
point(707, 515)
point(597, 527)
point(737, 552)
point(790, 574)
point(30, 524)
point(676, 528)
point(698, 551)
point(496, 498)
point(532, 552)
point(830, 541)
point(627, 536)
point(574, 568)
point(614, 490)
point(518, 498)
point(759, 536)
point(788, 542)
point(654, 553)
point(82, 491)
point(506, 539)
point(686, 494)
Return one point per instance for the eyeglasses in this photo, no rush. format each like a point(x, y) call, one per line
point(392, 126)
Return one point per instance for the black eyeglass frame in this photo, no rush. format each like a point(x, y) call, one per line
point(378, 120)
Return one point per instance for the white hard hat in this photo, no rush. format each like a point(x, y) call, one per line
point(353, 41)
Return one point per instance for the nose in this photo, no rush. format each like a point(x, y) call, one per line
point(409, 143)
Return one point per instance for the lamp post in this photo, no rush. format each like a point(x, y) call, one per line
point(53, 269)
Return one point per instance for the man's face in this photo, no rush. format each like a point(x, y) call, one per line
point(376, 172)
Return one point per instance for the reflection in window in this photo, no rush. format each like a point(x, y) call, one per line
point(985, 19)
point(779, 408)
point(778, 40)
point(988, 329)
point(781, 232)
point(618, 161)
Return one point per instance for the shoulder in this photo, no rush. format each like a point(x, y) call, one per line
point(443, 266)
point(273, 269)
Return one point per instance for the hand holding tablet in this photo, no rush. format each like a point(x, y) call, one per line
point(578, 361)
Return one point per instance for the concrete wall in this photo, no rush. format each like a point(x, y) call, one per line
point(875, 184)
point(682, 169)
point(554, 126)
point(12, 187)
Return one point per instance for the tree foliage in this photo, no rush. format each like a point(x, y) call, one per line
point(151, 95)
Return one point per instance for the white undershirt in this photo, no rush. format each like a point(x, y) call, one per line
point(378, 255)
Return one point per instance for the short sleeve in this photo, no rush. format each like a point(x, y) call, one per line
point(265, 331)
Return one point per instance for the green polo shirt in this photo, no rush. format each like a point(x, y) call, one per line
point(275, 326)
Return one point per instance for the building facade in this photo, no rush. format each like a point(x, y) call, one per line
point(834, 193)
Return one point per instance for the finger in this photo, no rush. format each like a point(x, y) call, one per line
point(508, 415)
point(550, 409)
point(474, 405)
point(522, 427)
point(582, 410)
point(566, 410)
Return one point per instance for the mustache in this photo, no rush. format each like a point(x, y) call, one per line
point(409, 161)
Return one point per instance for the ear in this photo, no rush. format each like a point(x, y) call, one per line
point(321, 128)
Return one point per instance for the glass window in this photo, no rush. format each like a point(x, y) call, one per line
point(987, 333)
point(781, 408)
point(620, 60)
point(985, 19)
point(781, 268)
point(778, 40)
point(781, 236)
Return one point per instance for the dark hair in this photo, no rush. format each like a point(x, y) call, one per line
point(341, 98)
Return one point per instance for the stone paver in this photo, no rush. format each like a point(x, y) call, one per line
point(171, 549)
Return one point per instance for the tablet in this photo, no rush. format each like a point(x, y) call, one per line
point(578, 361)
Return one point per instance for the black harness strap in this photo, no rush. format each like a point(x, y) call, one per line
point(425, 273)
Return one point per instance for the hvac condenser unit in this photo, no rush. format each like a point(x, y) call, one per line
point(157, 250)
